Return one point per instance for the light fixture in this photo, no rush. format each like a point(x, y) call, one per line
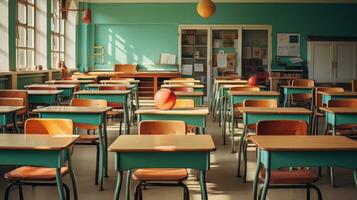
point(86, 15)
point(206, 8)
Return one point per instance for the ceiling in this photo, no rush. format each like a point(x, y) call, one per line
point(220, 1)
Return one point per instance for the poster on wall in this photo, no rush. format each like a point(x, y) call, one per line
point(288, 44)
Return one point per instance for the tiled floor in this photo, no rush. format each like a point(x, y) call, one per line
point(221, 180)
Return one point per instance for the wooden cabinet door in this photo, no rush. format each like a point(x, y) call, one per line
point(320, 61)
point(344, 67)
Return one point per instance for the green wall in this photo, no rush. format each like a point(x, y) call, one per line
point(149, 29)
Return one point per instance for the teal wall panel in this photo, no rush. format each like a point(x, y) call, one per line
point(127, 19)
point(23, 80)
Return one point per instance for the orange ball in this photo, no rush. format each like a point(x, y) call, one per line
point(252, 81)
point(206, 8)
point(165, 99)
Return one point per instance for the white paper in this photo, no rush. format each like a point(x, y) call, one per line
point(199, 67)
point(167, 59)
point(221, 59)
point(186, 69)
point(288, 44)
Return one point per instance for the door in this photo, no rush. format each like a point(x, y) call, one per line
point(320, 61)
point(344, 69)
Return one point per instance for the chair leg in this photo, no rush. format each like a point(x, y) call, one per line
point(245, 160)
point(97, 164)
point(319, 195)
point(7, 191)
point(68, 194)
point(186, 193)
point(21, 194)
point(308, 192)
point(120, 125)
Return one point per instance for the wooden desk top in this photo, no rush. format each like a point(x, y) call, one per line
point(44, 92)
point(250, 93)
point(52, 85)
point(72, 109)
point(198, 94)
point(304, 143)
point(110, 85)
point(296, 87)
point(119, 81)
point(340, 110)
point(180, 86)
point(182, 81)
point(155, 111)
point(163, 143)
point(289, 110)
point(284, 78)
point(69, 81)
point(228, 86)
point(102, 92)
point(231, 81)
point(9, 109)
point(36, 142)
point(339, 93)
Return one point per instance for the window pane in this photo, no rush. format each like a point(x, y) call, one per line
point(56, 43)
point(62, 57)
point(30, 16)
point(62, 44)
point(30, 58)
point(21, 58)
point(21, 13)
point(54, 59)
point(31, 1)
point(22, 36)
point(62, 26)
point(30, 38)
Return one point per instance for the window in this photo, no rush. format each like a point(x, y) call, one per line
point(25, 43)
point(57, 34)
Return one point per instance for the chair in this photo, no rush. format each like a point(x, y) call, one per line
point(11, 102)
point(247, 89)
point(317, 104)
point(297, 178)
point(22, 94)
point(182, 89)
point(117, 107)
point(302, 98)
point(261, 103)
point(160, 177)
point(39, 176)
point(90, 139)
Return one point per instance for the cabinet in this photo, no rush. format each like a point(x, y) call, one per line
point(332, 61)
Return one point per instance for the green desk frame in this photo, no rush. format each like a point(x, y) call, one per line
point(48, 99)
point(326, 97)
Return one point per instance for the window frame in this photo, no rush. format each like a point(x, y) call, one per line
point(57, 49)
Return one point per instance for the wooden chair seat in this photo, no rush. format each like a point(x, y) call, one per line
point(28, 173)
point(115, 112)
point(87, 138)
point(302, 176)
point(115, 105)
point(347, 133)
point(160, 175)
point(85, 126)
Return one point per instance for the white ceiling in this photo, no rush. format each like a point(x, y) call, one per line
point(220, 1)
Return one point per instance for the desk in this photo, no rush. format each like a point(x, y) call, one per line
point(252, 115)
point(68, 89)
point(327, 96)
point(274, 81)
point(153, 151)
point(196, 88)
point(276, 152)
point(238, 97)
point(39, 150)
point(48, 97)
point(196, 96)
point(118, 96)
point(8, 115)
point(289, 90)
point(193, 117)
point(88, 115)
point(82, 83)
point(181, 81)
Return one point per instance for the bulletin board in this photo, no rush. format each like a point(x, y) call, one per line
point(288, 44)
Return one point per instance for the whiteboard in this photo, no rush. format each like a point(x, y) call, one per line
point(288, 44)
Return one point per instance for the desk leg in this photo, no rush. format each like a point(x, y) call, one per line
point(256, 177)
point(203, 185)
point(267, 179)
point(59, 184)
point(224, 117)
point(73, 177)
point(240, 147)
point(355, 176)
point(118, 186)
point(332, 171)
point(285, 99)
point(101, 158)
point(232, 124)
point(128, 184)
point(105, 138)
point(14, 122)
point(126, 119)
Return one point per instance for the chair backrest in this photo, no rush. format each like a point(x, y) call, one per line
point(11, 102)
point(122, 79)
point(354, 85)
point(162, 127)
point(42, 88)
point(282, 127)
point(266, 103)
point(22, 94)
point(182, 89)
point(48, 126)
point(302, 82)
point(231, 77)
point(73, 78)
point(183, 79)
point(250, 89)
point(116, 87)
point(89, 102)
point(128, 68)
point(317, 98)
point(184, 103)
point(342, 103)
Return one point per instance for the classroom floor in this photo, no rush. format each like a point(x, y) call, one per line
point(222, 182)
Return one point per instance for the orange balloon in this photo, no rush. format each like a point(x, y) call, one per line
point(252, 81)
point(206, 8)
point(165, 99)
